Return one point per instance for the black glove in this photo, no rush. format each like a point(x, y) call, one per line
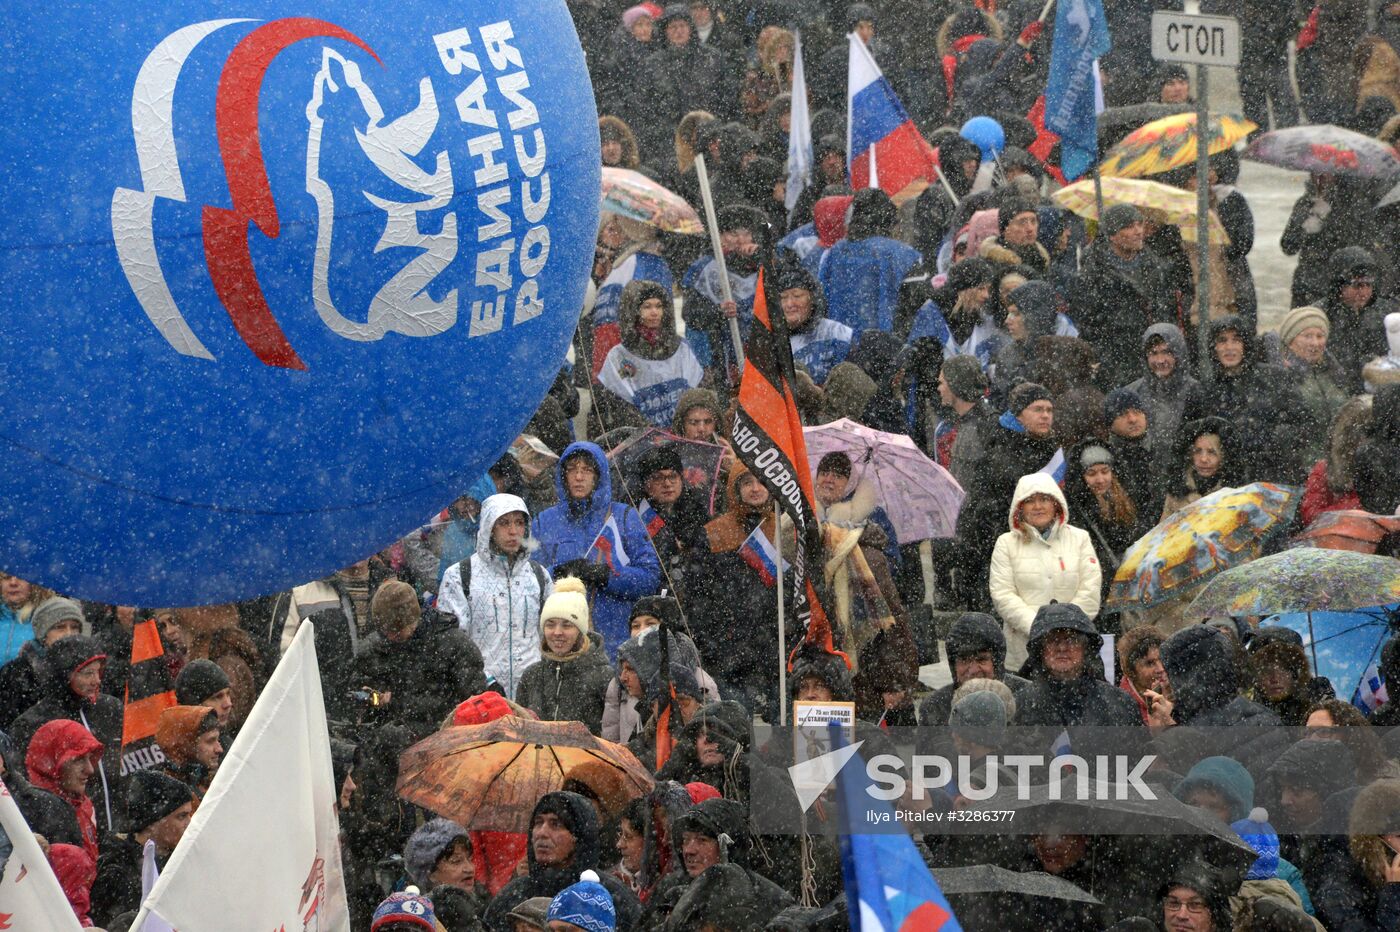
point(569, 568)
point(595, 575)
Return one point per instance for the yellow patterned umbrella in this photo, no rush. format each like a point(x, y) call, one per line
point(1163, 204)
point(1170, 143)
point(1222, 530)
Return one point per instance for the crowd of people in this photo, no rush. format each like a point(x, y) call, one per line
point(1050, 366)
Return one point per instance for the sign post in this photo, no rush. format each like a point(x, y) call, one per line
point(1204, 41)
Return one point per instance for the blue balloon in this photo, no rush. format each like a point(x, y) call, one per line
point(986, 134)
point(278, 286)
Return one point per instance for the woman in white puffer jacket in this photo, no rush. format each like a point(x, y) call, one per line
point(1042, 559)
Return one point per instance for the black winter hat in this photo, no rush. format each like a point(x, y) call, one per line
point(1120, 401)
point(151, 796)
point(1011, 210)
point(199, 680)
point(1118, 217)
point(659, 459)
point(965, 378)
point(1038, 304)
point(970, 273)
point(974, 632)
point(829, 669)
point(858, 13)
point(1025, 395)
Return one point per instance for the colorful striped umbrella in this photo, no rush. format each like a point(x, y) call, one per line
point(1163, 204)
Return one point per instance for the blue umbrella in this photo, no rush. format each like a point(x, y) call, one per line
point(1342, 644)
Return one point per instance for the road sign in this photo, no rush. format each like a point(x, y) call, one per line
point(1199, 40)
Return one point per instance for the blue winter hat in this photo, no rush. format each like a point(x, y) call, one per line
point(1256, 832)
point(587, 904)
point(408, 907)
point(1226, 776)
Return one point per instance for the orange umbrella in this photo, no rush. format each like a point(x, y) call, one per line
point(1358, 531)
point(490, 776)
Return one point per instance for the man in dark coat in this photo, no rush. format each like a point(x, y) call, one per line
point(52, 620)
point(158, 808)
point(1355, 311)
point(976, 649)
point(1067, 685)
point(1195, 899)
point(1170, 395)
point(563, 844)
point(69, 668)
point(421, 666)
point(1259, 399)
point(1124, 291)
point(712, 842)
point(675, 513)
point(1022, 444)
point(683, 76)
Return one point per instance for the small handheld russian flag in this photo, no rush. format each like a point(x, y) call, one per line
point(652, 521)
point(609, 545)
point(1370, 692)
point(760, 553)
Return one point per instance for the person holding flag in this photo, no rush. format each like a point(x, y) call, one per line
point(731, 589)
point(600, 541)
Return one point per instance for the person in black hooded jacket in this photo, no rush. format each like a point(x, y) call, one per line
point(1355, 311)
point(1377, 478)
point(1195, 880)
point(935, 211)
point(712, 842)
point(1067, 683)
point(101, 715)
point(976, 649)
point(563, 844)
point(683, 75)
point(1259, 400)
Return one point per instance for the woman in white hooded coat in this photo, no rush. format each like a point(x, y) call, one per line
point(1042, 559)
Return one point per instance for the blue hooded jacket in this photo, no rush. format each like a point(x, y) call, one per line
point(566, 533)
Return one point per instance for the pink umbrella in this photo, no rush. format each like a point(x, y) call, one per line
point(920, 497)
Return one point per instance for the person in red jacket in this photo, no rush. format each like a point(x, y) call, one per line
point(62, 757)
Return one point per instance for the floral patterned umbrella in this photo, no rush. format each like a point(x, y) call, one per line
point(1170, 143)
point(1222, 530)
point(1162, 203)
point(1304, 579)
point(1325, 150)
point(632, 194)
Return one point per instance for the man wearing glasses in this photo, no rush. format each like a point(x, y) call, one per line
point(1193, 901)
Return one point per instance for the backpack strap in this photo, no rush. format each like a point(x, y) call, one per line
point(541, 579)
point(464, 573)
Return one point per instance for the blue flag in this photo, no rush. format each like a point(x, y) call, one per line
point(889, 888)
point(1081, 37)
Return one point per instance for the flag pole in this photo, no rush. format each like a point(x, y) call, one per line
point(703, 176)
point(782, 629)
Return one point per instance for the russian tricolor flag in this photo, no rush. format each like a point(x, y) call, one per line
point(883, 148)
point(758, 552)
point(1370, 692)
point(609, 545)
point(1056, 467)
point(653, 521)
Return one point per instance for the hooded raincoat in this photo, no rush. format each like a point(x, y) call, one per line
point(571, 531)
point(502, 611)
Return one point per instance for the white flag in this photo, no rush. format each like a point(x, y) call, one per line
point(263, 850)
point(149, 875)
point(799, 164)
point(30, 896)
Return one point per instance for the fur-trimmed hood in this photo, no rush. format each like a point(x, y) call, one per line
point(855, 507)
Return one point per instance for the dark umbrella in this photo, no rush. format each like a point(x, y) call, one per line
point(1173, 831)
point(987, 897)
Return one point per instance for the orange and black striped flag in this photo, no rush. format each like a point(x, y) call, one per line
point(767, 438)
point(148, 693)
